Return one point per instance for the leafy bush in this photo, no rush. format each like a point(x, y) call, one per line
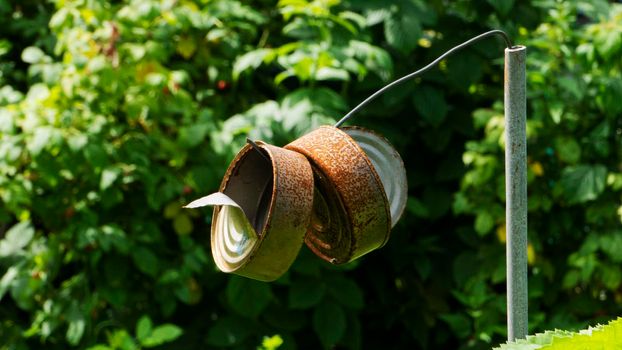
point(115, 114)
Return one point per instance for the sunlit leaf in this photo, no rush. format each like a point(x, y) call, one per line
point(162, 334)
point(144, 328)
point(17, 237)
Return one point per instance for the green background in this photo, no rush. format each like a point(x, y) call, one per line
point(115, 114)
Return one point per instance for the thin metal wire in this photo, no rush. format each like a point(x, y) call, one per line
point(501, 33)
point(258, 149)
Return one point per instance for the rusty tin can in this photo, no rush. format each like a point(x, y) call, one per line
point(351, 214)
point(275, 192)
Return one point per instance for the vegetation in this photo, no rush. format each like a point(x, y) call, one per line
point(599, 337)
point(115, 114)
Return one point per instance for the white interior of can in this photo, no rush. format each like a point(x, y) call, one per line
point(388, 165)
point(235, 236)
point(250, 186)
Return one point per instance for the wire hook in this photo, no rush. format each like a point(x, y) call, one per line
point(501, 33)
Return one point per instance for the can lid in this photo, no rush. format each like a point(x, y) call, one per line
point(236, 236)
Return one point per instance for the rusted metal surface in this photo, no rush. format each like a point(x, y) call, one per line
point(516, 190)
point(388, 165)
point(351, 214)
point(276, 197)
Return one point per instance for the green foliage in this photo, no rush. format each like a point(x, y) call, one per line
point(599, 337)
point(573, 165)
point(146, 336)
point(114, 114)
point(271, 343)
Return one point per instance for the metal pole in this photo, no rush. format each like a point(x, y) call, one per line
point(516, 190)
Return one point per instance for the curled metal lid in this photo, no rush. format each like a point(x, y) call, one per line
point(388, 165)
point(238, 235)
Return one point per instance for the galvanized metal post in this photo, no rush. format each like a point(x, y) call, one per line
point(516, 190)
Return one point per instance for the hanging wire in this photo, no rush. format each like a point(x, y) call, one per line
point(501, 33)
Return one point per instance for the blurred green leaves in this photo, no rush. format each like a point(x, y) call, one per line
point(146, 336)
point(113, 115)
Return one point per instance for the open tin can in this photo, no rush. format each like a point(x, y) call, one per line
point(339, 190)
point(352, 214)
point(275, 192)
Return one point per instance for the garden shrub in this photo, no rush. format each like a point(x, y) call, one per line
point(115, 114)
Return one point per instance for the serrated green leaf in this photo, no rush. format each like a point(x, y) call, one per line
point(599, 337)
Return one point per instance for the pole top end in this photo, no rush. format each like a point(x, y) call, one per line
point(515, 49)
